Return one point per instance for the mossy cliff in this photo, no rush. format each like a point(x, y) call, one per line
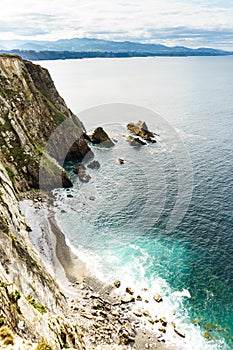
point(31, 303)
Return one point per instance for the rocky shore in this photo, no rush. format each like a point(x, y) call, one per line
point(108, 317)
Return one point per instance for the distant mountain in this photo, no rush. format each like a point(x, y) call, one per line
point(86, 47)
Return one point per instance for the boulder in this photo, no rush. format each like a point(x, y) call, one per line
point(100, 137)
point(80, 170)
point(163, 322)
point(129, 291)
point(135, 141)
point(127, 299)
point(94, 165)
point(158, 298)
point(117, 284)
point(140, 129)
point(207, 335)
point(121, 161)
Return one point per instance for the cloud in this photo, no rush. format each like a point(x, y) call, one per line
point(197, 23)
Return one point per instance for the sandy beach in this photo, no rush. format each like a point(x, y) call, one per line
point(108, 319)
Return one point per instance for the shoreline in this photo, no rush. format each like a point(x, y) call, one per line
point(106, 303)
point(106, 317)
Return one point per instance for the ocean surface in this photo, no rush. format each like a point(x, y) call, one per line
point(164, 219)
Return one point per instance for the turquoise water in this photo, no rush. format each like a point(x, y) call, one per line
point(122, 234)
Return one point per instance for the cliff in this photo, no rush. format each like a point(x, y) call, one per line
point(31, 303)
point(30, 111)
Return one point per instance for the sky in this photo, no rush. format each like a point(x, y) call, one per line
point(190, 23)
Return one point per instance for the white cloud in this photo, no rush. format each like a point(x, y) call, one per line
point(114, 19)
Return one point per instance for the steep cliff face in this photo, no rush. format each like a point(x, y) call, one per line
point(30, 111)
point(31, 303)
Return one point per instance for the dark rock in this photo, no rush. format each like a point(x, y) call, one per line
point(129, 291)
point(79, 169)
point(182, 335)
point(117, 284)
point(138, 313)
point(69, 196)
point(141, 129)
point(162, 329)
point(146, 314)
point(121, 161)
point(66, 182)
point(94, 165)
point(100, 137)
point(135, 141)
point(163, 322)
point(139, 298)
point(92, 198)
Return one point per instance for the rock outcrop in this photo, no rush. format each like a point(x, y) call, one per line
point(140, 129)
point(30, 111)
point(100, 137)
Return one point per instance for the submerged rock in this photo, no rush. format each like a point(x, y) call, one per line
point(94, 165)
point(141, 129)
point(100, 137)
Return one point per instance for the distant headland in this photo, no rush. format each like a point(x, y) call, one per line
point(78, 48)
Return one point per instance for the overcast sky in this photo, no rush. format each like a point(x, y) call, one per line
point(185, 22)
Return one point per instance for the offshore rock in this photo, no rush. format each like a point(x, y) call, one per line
point(100, 137)
point(135, 141)
point(121, 161)
point(140, 129)
point(80, 170)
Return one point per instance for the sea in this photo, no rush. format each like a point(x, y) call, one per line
point(162, 222)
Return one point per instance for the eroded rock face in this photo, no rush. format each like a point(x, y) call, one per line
point(140, 129)
point(30, 299)
point(100, 137)
point(30, 112)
